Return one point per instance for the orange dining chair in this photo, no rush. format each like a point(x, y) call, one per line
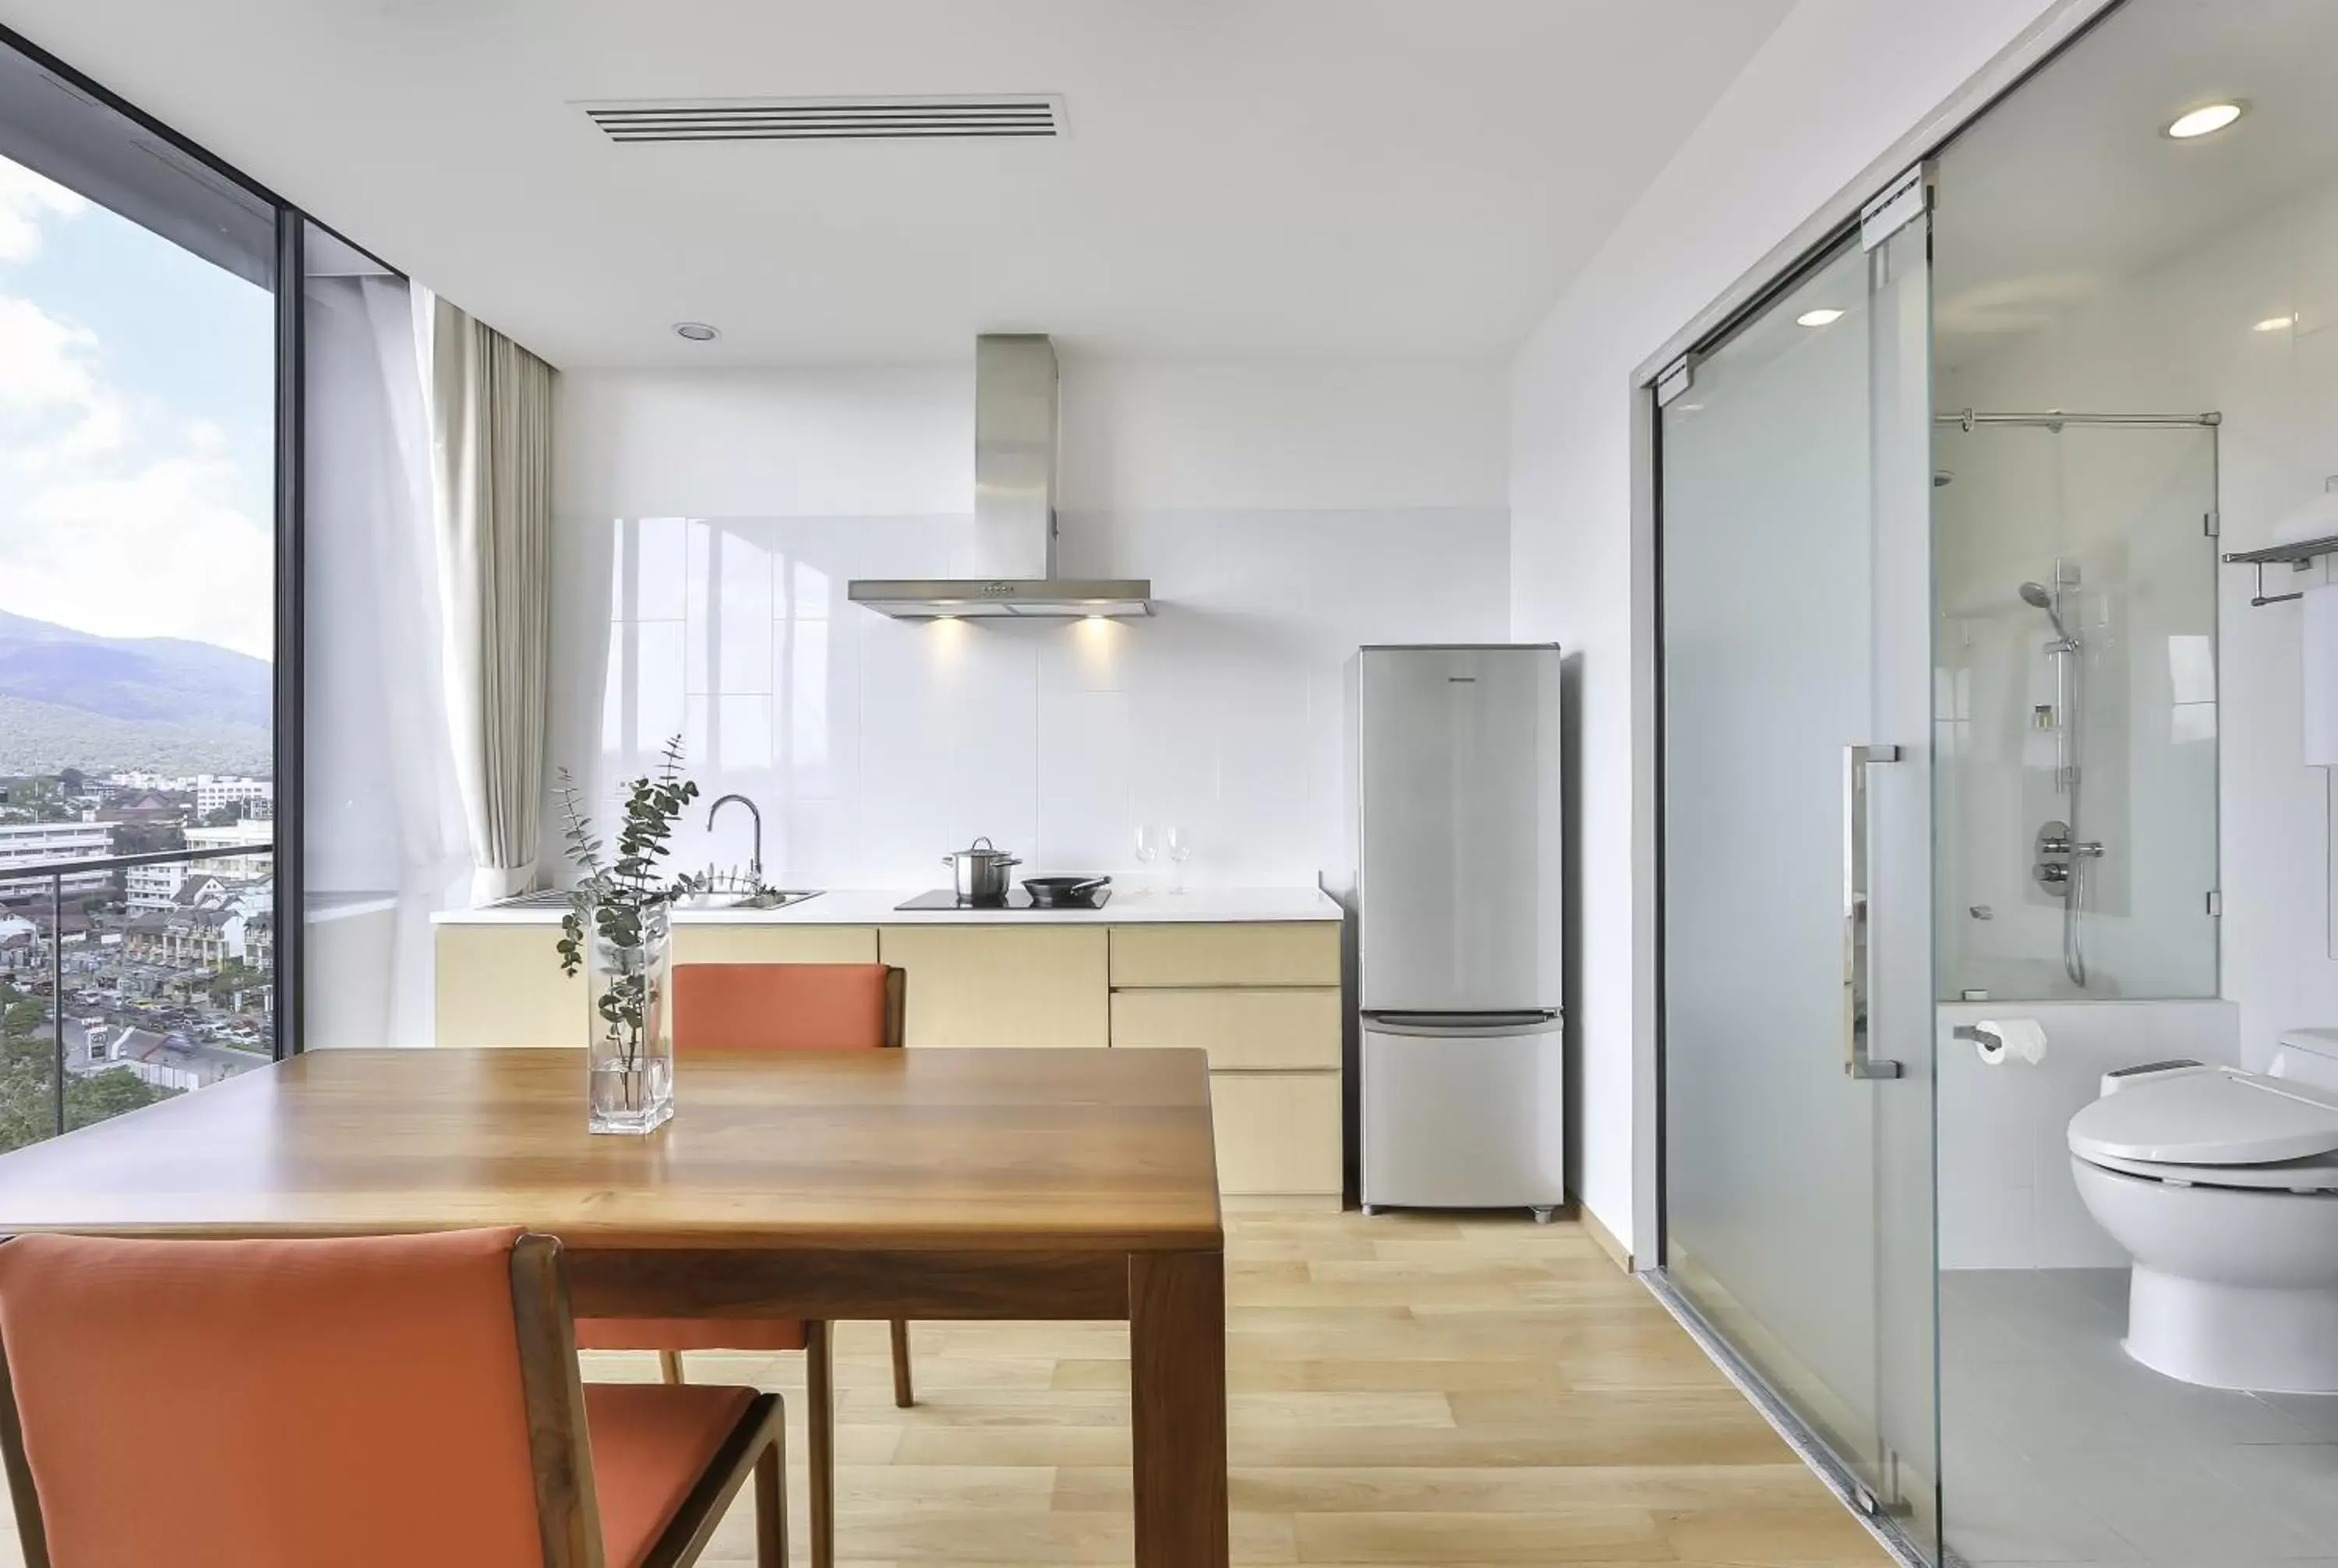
point(367, 1402)
point(775, 1007)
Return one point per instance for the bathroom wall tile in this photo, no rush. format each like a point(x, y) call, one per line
point(1993, 1120)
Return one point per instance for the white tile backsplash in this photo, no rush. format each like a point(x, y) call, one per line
point(874, 746)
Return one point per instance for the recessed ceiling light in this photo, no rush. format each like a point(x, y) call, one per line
point(2200, 121)
point(695, 331)
point(2276, 324)
point(1821, 318)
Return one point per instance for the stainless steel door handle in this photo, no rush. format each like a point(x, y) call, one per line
point(1856, 1062)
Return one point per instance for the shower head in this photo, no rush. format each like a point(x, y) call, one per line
point(2036, 596)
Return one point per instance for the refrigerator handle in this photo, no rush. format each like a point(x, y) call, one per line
point(1524, 1021)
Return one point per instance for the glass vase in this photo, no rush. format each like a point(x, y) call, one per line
point(629, 1058)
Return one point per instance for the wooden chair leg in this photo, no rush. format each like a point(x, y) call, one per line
point(772, 1504)
point(670, 1365)
point(819, 1433)
point(903, 1394)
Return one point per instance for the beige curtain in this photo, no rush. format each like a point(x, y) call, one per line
point(491, 446)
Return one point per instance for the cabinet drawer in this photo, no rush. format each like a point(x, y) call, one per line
point(976, 985)
point(1292, 1026)
point(502, 986)
point(775, 944)
point(1278, 1133)
point(1257, 952)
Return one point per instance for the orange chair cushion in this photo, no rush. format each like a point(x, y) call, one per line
point(778, 1006)
point(272, 1404)
point(689, 1333)
point(651, 1444)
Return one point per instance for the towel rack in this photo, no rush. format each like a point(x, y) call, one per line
point(2299, 554)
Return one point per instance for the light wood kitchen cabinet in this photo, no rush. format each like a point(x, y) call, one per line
point(1001, 986)
point(1264, 1000)
point(752, 944)
point(1259, 953)
point(1278, 1134)
point(502, 986)
point(1282, 1028)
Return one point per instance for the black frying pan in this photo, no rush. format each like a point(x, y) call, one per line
point(1064, 892)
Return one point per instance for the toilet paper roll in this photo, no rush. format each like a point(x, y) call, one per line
point(2002, 1040)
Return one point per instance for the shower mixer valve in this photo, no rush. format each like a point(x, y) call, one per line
point(2056, 855)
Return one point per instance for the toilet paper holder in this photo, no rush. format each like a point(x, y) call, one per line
point(1978, 1035)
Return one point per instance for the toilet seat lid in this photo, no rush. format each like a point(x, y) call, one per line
point(2316, 1174)
point(2221, 1118)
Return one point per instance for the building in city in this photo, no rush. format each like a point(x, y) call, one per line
point(255, 797)
point(23, 844)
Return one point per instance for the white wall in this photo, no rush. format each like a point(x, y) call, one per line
point(1836, 84)
point(1285, 512)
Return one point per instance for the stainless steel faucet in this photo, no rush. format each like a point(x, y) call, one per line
point(755, 861)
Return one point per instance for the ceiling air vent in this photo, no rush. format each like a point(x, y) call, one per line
point(1009, 115)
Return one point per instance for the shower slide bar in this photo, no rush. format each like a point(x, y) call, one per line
point(2055, 418)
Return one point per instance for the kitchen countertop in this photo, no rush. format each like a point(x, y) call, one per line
point(875, 906)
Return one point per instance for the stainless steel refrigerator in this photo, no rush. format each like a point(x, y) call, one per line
point(1454, 821)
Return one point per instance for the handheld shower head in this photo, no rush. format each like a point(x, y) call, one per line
point(2038, 597)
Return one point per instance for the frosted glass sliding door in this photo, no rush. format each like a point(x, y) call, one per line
point(1797, 851)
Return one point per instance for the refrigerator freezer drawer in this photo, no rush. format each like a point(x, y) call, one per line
point(1472, 1121)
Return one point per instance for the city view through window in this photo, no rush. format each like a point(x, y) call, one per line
point(136, 617)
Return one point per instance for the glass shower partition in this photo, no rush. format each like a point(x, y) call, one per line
point(1797, 851)
point(2077, 708)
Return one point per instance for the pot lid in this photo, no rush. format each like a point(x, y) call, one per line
point(2223, 1118)
point(982, 850)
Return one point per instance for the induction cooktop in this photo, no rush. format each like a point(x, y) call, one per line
point(948, 898)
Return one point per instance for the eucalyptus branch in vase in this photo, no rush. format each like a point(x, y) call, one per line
point(621, 898)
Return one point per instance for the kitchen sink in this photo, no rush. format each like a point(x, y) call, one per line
point(721, 899)
point(768, 898)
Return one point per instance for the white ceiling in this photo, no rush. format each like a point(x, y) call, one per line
point(2068, 185)
point(1242, 177)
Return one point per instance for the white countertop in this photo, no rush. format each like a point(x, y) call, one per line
point(876, 907)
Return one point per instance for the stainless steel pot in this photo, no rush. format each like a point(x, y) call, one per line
point(980, 872)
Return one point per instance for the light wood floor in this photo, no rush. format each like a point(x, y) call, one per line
point(1404, 1391)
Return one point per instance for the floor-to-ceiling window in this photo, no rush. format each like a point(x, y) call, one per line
point(158, 369)
point(137, 609)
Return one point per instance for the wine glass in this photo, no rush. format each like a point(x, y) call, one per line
point(1148, 844)
point(1181, 849)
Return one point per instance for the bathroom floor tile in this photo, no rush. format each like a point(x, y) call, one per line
point(2059, 1448)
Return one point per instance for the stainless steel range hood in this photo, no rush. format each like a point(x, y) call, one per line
point(1013, 508)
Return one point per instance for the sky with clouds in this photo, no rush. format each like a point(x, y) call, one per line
point(137, 428)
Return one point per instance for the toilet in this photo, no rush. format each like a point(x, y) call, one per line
point(2222, 1186)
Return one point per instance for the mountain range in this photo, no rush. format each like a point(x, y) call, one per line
point(72, 698)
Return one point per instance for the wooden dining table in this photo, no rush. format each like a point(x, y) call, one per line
point(924, 1184)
